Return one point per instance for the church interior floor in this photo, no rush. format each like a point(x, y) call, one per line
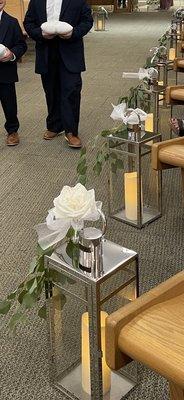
point(33, 173)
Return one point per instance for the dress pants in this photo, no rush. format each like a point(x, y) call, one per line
point(63, 94)
point(8, 101)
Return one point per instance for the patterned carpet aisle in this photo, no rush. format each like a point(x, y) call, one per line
point(32, 174)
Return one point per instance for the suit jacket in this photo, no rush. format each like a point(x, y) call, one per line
point(12, 37)
point(78, 14)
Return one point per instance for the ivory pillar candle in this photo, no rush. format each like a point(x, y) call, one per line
point(172, 54)
point(130, 185)
point(149, 123)
point(106, 373)
point(99, 25)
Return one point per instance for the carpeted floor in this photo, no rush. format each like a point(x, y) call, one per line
point(33, 174)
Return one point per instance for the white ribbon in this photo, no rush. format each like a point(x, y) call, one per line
point(128, 115)
point(142, 73)
point(55, 229)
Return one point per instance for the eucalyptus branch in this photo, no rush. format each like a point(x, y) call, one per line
point(28, 294)
point(102, 155)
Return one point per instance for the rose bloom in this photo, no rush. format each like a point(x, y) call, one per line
point(74, 203)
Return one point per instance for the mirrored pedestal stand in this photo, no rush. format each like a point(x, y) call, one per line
point(77, 303)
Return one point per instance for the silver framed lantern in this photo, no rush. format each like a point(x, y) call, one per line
point(135, 188)
point(150, 99)
point(100, 19)
point(78, 304)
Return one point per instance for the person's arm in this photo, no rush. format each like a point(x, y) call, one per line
point(30, 24)
point(86, 23)
point(20, 46)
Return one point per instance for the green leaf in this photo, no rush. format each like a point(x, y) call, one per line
point(40, 266)
point(21, 296)
point(12, 295)
point(82, 169)
point(83, 151)
point(82, 179)
point(33, 265)
point(4, 306)
point(42, 312)
point(34, 286)
point(40, 251)
point(105, 133)
point(21, 285)
point(29, 283)
point(28, 301)
point(82, 162)
point(122, 99)
point(70, 232)
point(97, 168)
point(15, 319)
point(100, 157)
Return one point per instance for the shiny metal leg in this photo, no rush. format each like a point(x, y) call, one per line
point(95, 344)
point(139, 188)
point(171, 117)
point(156, 112)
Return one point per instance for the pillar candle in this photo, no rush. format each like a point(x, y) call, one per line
point(99, 25)
point(130, 186)
point(149, 123)
point(106, 373)
point(172, 54)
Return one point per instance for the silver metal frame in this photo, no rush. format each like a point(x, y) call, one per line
point(138, 157)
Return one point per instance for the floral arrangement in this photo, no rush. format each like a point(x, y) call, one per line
point(71, 208)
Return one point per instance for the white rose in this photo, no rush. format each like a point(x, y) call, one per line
point(75, 203)
point(71, 208)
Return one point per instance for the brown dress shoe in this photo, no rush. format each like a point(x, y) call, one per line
point(12, 139)
point(73, 141)
point(48, 135)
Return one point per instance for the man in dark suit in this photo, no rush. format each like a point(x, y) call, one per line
point(60, 61)
point(12, 38)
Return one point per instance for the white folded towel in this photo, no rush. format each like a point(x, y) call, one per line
point(56, 27)
point(2, 50)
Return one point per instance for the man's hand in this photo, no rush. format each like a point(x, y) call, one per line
point(66, 35)
point(48, 35)
point(8, 56)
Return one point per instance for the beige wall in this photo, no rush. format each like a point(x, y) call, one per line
point(17, 8)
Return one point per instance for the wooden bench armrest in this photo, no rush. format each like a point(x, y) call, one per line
point(168, 91)
point(156, 164)
point(116, 321)
point(175, 64)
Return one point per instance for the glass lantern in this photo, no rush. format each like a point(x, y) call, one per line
point(154, 94)
point(100, 17)
point(135, 188)
point(78, 304)
point(173, 41)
